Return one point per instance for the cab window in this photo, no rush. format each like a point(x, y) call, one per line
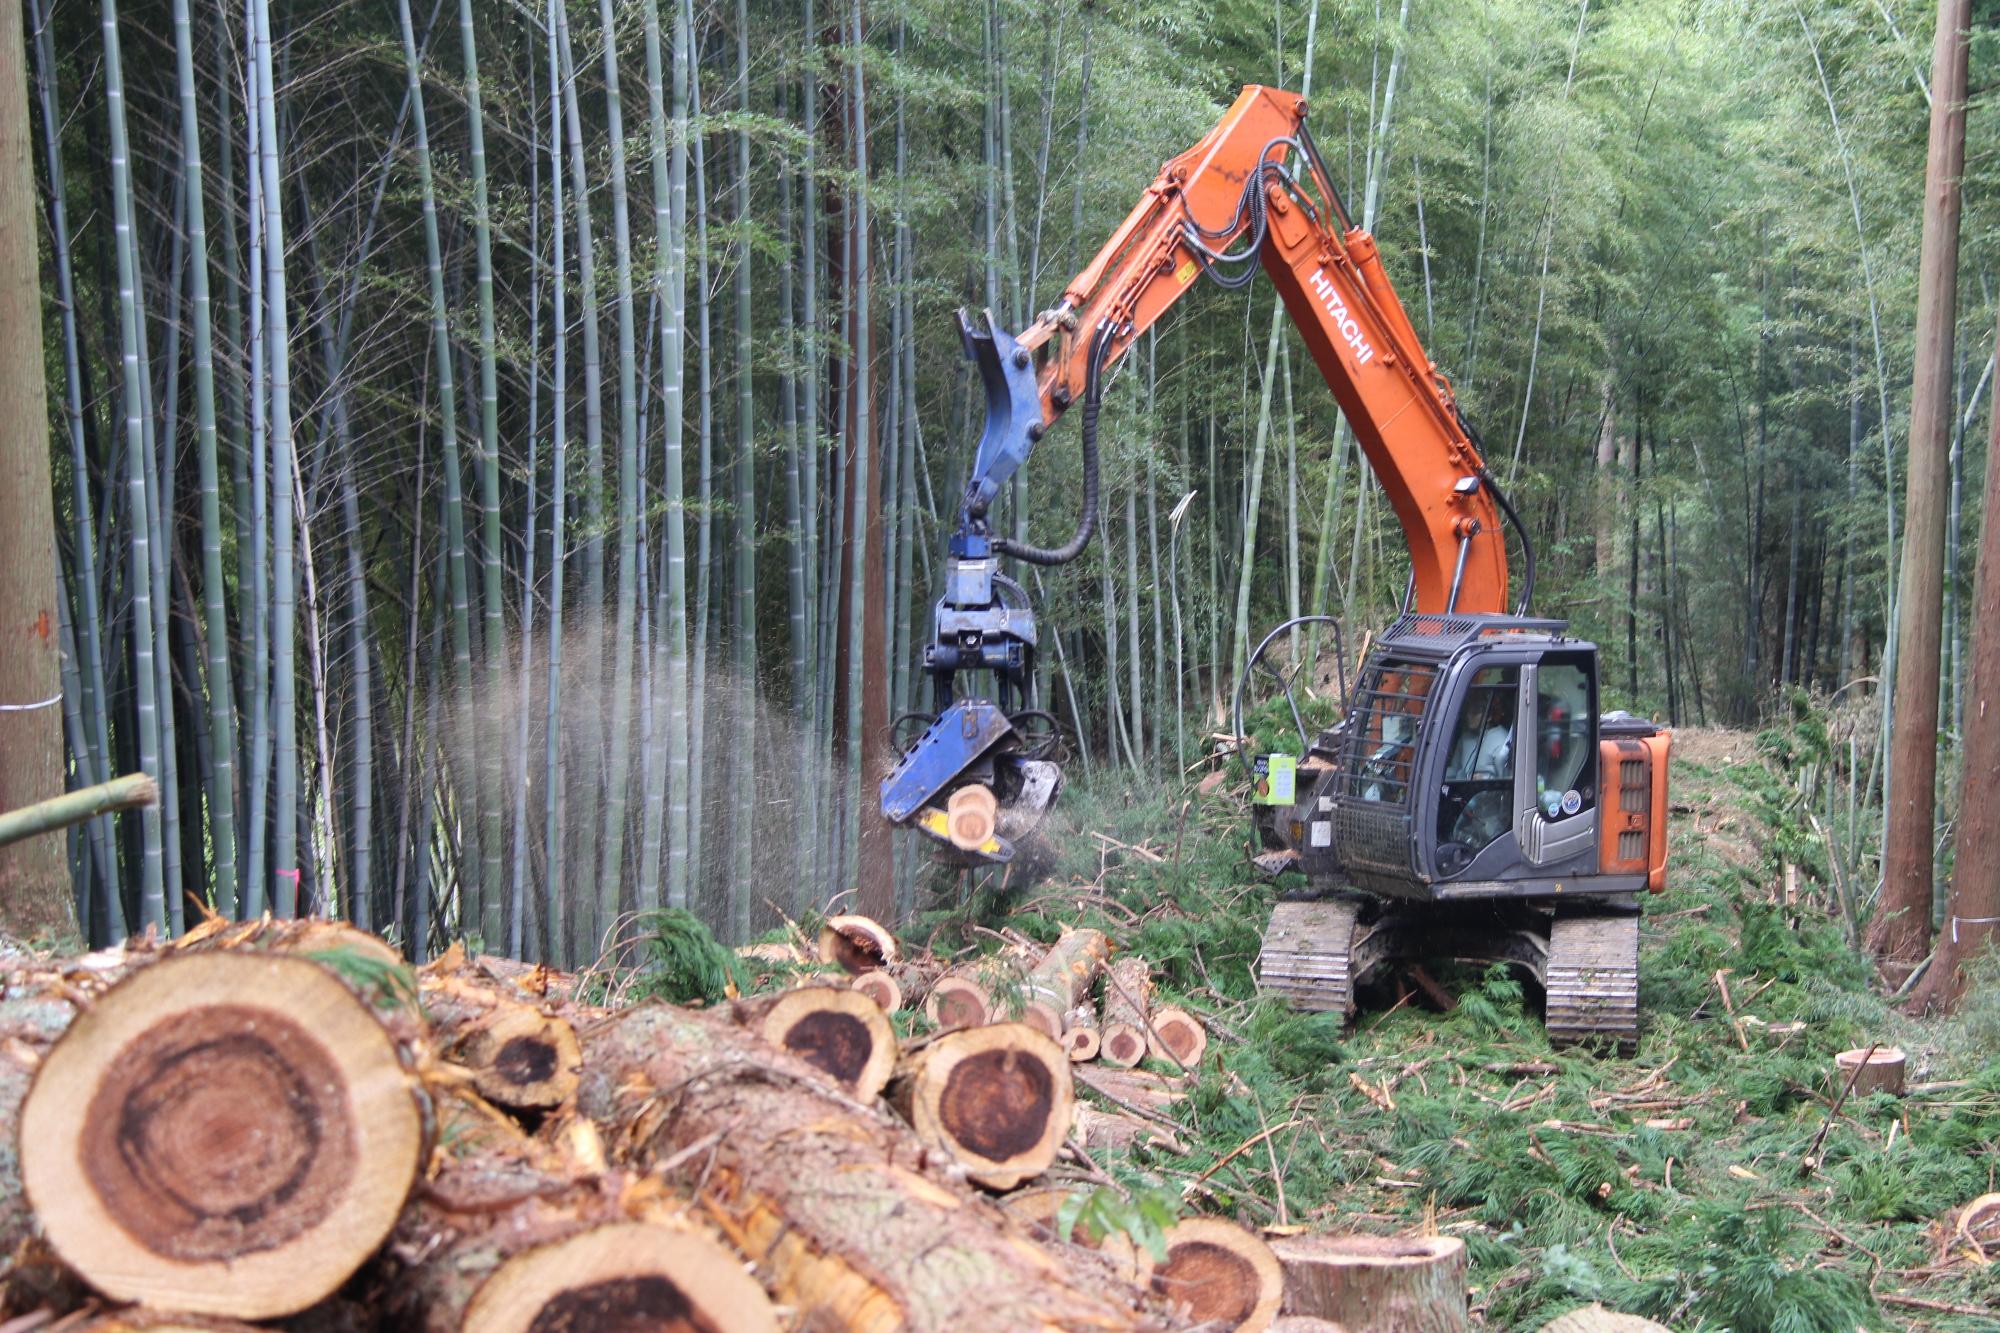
point(1565, 760)
point(1476, 804)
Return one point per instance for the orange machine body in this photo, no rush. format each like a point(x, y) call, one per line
point(1632, 833)
point(1331, 279)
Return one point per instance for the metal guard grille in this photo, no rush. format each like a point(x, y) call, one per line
point(1372, 837)
point(1389, 709)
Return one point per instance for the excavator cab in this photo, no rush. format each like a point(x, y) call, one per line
point(1472, 803)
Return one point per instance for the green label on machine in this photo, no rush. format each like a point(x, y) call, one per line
point(1277, 779)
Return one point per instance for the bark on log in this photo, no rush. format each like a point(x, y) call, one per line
point(1159, 1093)
point(1039, 1208)
point(995, 1099)
point(1081, 1036)
point(857, 944)
point(849, 1220)
point(1119, 1130)
point(229, 1131)
point(1377, 1284)
point(1176, 1036)
point(1062, 978)
point(1597, 1319)
point(1128, 985)
point(156, 1321)
point(987, 990)
point(1219, 1272)
point(515, 1234)
point(838, 1031)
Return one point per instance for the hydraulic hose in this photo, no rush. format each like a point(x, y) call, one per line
point(1093, 396)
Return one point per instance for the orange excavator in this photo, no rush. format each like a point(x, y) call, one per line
point(1471, 803)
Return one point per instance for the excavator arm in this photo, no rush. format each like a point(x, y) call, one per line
point(1253, 192)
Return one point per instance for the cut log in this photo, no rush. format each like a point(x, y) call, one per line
point(1597, 1319)
point(1039, 1207)
point(1158, 1093)
point(1062, 978)
point(515, 1234)
point(1128, 985)
point(996, 1099)
point(1217, 1271)
point(837, 1031)
point(971, 814)
point(1879, 1070)
point(897, 985)
point(138, 1320)
point(1081, 1037)
point(1099, 1129)
point(1176, 1036)
point(628, 1275)
point(850, 1221)
point(987, 990)
point(59, 812)
point(523, 1059)
point(1376, 1284)
point(226, 1133)
point(882, 987)
point(856, 944)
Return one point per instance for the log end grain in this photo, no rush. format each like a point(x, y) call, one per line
point(957, 1002)
point(1219, 1272)
point(222, 1133)
point(1177, 1036)
point(856, 944)
point(997, 1099)
point(880, 987)
point(840, 1032)
point(523, 1059)
point(623, 1276)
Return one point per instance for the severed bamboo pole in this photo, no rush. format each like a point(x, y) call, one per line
point(132, 792)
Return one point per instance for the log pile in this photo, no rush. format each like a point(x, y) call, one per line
point(261, 1120)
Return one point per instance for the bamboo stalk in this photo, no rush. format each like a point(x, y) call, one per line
point(131, 792)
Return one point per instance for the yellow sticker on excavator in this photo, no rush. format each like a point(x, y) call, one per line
point(1186, 272)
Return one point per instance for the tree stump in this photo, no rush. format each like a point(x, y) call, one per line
point(840, 1032)
point(1062, 978)
point(1176, 1036)
point(856, 944)
point(1376, 1284)
point(1881, 1071)
point(996, 1099)
point(1081, 1036)
point(1128, 985)
point(225, 1133)
point(1219, 1272)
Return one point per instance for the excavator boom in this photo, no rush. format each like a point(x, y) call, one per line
point(1254, 189)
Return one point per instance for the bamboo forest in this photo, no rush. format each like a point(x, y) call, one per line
point(503, 452)
point(985, 665)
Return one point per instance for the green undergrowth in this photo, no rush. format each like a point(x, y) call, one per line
point(1677, 1184)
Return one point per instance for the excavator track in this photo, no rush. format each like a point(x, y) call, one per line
point(1592, 982)
point(1307, 959)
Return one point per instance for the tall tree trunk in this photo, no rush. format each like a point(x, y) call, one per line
point(1972, 914)
point(35, 894)
point(744, 689)
point(868, 681)
point(611, 847)
point(557, 943)
point(1900, 931)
